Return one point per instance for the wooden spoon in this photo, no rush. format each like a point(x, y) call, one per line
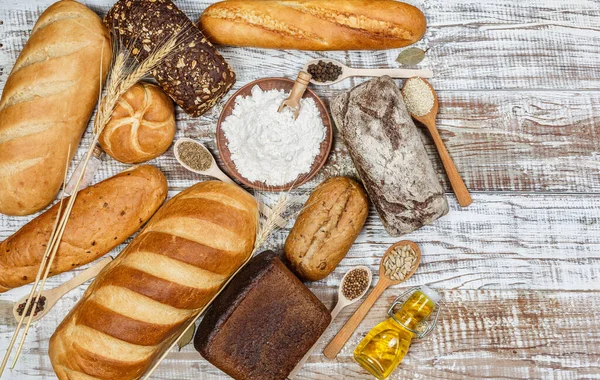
point(293, 100)
point(215, 172)
point(350, 72)
point(338, 342)
point(458, 185)
point(53, 295)
point(341, 303)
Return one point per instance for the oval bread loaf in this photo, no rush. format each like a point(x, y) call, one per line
point(103, 216)
point(142, 300)
point(326, 228)
point(47, 102)
point(314, 24)
point(141, 127)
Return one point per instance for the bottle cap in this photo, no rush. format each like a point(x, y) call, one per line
point(430, 293)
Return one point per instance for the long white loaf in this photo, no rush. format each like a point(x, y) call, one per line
point(139, 303)
point(47, 102)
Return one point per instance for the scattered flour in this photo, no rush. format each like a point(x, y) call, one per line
point(269, 146)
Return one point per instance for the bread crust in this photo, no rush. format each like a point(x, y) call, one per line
point(103, 216)
point(326, 228)
point(47, 103)
point(314, 24)
point(143, 299)
point(142, 125)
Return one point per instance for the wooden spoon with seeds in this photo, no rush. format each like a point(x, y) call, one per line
point(342, 302)
point(387, 265)
point(428, 120)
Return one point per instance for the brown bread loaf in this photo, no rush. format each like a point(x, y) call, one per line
point(326, 228)
point(47, 102)
point(195, 75)
point(141, 301)
point(263, 323)
point(314, 24)
point(389, 155)
point(103, 216)
point(141, 127)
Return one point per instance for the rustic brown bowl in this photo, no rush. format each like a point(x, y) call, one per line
point(267, 84)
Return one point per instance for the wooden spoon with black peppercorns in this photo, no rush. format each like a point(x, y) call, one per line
point(48, 298)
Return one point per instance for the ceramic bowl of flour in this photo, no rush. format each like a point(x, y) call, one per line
point(250, 150)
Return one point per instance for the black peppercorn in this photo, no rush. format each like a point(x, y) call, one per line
point(324, 72)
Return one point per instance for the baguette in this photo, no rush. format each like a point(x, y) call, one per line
point(142, 300)
point(326, 228)
point(103, 216)
point(46, 104)
point(314, 24)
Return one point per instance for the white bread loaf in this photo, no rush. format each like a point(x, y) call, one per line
point(140, 302)
point(47, 102)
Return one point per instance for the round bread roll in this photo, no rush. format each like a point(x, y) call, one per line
point(142, 125)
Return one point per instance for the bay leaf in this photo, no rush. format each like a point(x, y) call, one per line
point(187, 337)
point(411, 56)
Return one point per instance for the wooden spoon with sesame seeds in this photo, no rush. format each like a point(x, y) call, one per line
point(458, 185)
point(385, 281)
point(342, 302)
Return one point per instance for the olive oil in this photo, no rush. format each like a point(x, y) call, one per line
point(384, 347)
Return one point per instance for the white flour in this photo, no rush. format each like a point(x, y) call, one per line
point(269, 146)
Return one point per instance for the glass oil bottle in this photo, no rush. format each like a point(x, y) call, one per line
point(384, 347)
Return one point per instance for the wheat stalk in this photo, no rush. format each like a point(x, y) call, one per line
point(121, 79)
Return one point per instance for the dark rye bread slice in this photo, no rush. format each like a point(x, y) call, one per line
point(263, 323)
point(389, 155)
point(195, 75)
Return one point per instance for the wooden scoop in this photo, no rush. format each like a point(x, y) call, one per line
point(215, 172)
point(293, 101)
point(341, 303)
point(350, 72)
point(458, 185)
point(338, 342)
point(53, 295)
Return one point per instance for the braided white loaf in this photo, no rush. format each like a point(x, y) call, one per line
point(47, 102)
point(139, 303)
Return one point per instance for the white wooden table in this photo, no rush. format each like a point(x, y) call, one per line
point(519, 90)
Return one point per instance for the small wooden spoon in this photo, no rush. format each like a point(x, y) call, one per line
point(338, 342)
point(53, 295)
point(293, 100)
point(350, 72)
point(215, 172)
point(458, 185)
point(341, 303)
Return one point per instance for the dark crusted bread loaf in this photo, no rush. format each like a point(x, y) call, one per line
point(195, 75)
point(389, 155)
point(263, 323)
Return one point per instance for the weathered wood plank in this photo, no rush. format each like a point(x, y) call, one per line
point(502, 241)
point(500, 141)
point(506, 334)
point(507, 45)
